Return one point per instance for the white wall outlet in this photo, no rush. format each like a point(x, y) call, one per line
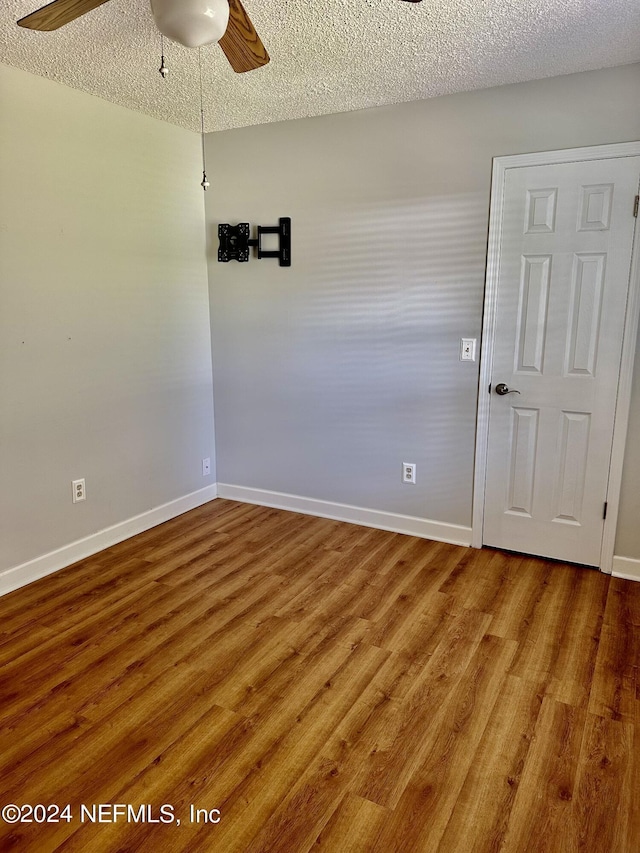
point(467, 349)
point(408, 472)
point(79, 491)
point(206, 467)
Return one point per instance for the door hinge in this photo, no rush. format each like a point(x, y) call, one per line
point(604, 514)
point(636, 203)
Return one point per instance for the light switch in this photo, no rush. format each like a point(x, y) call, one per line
point(467, 349)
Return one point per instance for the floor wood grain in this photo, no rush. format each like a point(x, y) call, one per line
point(323, 686)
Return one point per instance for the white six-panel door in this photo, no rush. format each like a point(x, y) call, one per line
point(566, 236)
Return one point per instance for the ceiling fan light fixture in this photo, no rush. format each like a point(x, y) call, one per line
point(192, 23)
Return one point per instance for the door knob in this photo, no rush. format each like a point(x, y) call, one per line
point(503, 389)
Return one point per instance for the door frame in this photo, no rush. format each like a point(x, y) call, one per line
point(501, 165)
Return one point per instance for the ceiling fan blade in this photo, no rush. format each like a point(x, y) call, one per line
point(241, 43)
point(58, 13)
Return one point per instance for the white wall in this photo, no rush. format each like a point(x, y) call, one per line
point(105, 365)
point(329, 375)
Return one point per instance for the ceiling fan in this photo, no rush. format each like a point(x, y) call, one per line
point(192, 23)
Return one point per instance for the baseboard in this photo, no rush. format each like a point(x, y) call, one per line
point(626, 568)
point(422, 527)
point(47, 564)
point(454, 534)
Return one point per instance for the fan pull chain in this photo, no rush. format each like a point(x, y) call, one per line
point(204, 183)
point(163, 68)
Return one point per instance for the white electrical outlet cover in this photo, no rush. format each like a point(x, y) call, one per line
point(408, 472)
point(79, 490)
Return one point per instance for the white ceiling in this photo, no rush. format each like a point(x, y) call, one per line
point(327, 56)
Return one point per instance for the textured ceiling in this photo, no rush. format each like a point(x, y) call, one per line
point(327, 56)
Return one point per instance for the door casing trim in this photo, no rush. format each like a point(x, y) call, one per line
point(501, 165)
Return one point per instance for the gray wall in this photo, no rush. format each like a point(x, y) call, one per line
point(105, 349)
point(329, 375)
point(628, 533)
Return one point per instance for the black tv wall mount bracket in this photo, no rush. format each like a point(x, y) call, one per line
point(235, 241)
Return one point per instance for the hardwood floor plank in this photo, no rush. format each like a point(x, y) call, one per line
point(370, 727)
point(256, 736)
point(80, 649)
point(53, 593)
point(424, 809)
point(633, 817)
point(471, 573)
point(104, 757)
point(110, 678)
point(273, 779)
point(613, 690)
point(415, 644)
point(394, 618)
point(303, 665)
point(37, 752)
point(20, 642)
point(275, 764)
point(604, 789)
point(354, 826)
point(216, 732)
point(315, 795)
point(393, 548)
point(479, 820)
point(540, 633)
point(573, 669)
point(326, 686)
point(386, 772)
point(513, 615)
point(542, 809)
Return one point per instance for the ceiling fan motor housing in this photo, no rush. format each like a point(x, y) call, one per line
point(192, 23)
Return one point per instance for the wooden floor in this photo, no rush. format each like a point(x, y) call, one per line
point(325, 687)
